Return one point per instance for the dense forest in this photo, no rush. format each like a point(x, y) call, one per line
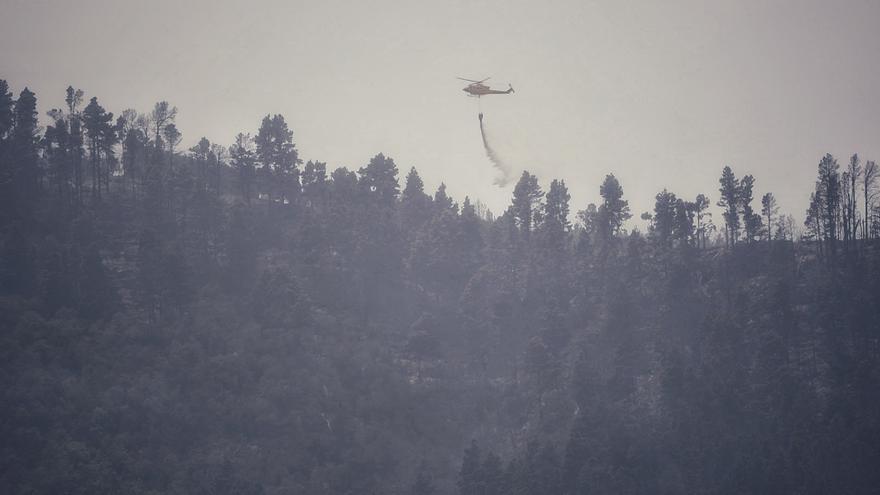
point(229, 319)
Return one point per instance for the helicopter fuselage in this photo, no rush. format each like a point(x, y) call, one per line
point(482, 89)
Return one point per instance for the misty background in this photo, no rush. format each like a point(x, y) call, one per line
point(663, 95)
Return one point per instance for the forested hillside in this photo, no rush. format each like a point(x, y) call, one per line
point(229, 319)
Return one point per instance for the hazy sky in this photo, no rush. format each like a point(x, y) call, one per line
point(662, 94)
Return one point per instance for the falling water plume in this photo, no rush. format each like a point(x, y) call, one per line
point(504, 170)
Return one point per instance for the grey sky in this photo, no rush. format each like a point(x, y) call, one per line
point(663, 94)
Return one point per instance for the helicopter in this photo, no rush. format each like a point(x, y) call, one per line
point(478, 89)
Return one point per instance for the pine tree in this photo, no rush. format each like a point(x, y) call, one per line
point(552, 261)
point(379, 180)
point(244, 159)
point(664, 217)
point(614, 210)
point(813, 220)
point(434, 260)
point(415, 205)
point(6, 110)
point(201, 155)
point(556, 207)
point(768, 209)
point(730, 190)
point(751, 221)
point(7, 171)
point(470, 241)
point(589, 218)
point(314, 183)
point(63, 144)
point(130, 129)
point(278, 159)
point(527, 195)
point(701, 204)
point(102, 139)
point(442, 202)
point(25, 143)
point(683, 226)
point(56, 142)
point(172, 139)
point(828, 201)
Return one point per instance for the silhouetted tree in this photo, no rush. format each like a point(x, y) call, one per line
point(869, 178)
point(379, 179)
point(663, 218)
point(683, 226)
point(442, 202)
point(751, 220)
point(243, 161)
point(7, 167)
point(102, 139)
point(701, 204)
point(853, 175)
point(26, 172)
point(768, 209)
point(277, 159)
point(730, 190)
point(614, 210)
point(415, 205)
point(827, 200)
point(527, 196)
point(162, 115)
point(556, 207)
point(813, 220)
point(314, 183)
point(131, 128)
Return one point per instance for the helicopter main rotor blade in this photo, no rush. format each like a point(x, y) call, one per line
point(471, 80)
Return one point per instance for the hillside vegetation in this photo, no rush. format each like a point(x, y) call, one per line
point(231, 320)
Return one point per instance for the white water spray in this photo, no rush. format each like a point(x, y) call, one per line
point(504, 170)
